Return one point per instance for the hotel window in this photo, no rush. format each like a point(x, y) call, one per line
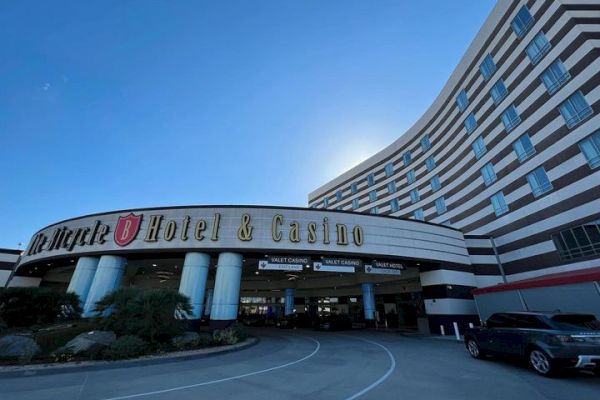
point(371, 179)
point(435, 183)
point(406, 158)
point(389, 169)
point(478, 147)
point(418, 214)
point(522, 22)
point(391, 186)
point(447, 223)
point(510, 118)
point(430, 163)
point(498, 91)
point(539, 182)
point(470, 123)
point(355, 204)
point(372, 195)
point(440, 205)
point(374, 210)
point(555, 76)
point(410, 176)
point(590, 148)
point(325, 202)
point(339, 208)
point(462, 101)
point(575, 109)
point(414, 195)
point(488, 174)
point(425, 143)
point(487, 67)
point(394, 205)
point(581, 241)
point(499, 204)
point(353, 188)
point(538, 48)
point(523, 148)
point(338, 195)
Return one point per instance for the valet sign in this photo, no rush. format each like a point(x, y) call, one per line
point(384, 268)
point(284, 263)
point(141, 230)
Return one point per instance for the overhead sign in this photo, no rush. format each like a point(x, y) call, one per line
point(157, 228)
point(384, 268)
point(337, 264)
point(284, 263)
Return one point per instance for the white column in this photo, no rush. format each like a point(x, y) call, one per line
point(193, 281)
point(289, 301)
point(108, 277)
point(368, 301)
point(82, 278)
point(226, 295)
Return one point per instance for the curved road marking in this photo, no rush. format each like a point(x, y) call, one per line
point(383, 377)
point(222, 380)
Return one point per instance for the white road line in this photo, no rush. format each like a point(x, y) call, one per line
point(383, 378)
point(221, 380)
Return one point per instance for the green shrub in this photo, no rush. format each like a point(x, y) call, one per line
point(232, 335)
point(27, 306)
point(149, 313)
point(127, 346)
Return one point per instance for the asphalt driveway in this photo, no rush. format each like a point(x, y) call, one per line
point(312, 365)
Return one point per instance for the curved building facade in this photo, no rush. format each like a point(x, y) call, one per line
point(218, 254)
point(508, 153)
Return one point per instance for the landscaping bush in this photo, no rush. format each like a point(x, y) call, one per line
point(232, 335)
point(127, 346)
point(147, 313)
point(27, 306)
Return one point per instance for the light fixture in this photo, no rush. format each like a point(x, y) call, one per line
point(256, 272)
point(154, 265)
point(307, 266)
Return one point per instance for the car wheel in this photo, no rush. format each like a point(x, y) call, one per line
point(474, 349)
point(541, 362)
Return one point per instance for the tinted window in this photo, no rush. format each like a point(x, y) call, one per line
point(529, 321)
point(576, 322)
point(497, 321)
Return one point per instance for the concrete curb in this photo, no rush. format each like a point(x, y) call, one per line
point(57, 368)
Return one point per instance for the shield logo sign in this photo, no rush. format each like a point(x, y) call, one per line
point(127, 229)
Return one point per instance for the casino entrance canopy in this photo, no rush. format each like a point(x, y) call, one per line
point(226, 246)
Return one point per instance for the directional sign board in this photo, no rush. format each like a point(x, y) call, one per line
point(284, 263)
point(384, 268)
point(337, 264)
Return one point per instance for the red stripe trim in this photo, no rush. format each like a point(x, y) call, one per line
point(561, 278)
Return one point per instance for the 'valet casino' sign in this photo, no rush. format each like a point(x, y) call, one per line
point(154, 228)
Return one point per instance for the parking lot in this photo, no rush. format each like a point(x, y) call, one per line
point(304, 364)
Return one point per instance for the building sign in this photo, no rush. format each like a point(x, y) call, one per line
point(384, 268)
point(328, 264)
point(157, 228)
point(284, 263)
point(127, 229)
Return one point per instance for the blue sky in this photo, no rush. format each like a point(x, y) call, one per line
point(121, 104)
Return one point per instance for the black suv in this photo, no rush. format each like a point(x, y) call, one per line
point(548, 341)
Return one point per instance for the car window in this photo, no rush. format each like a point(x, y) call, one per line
point(576, 321)
point(497, 321)
point(529, 321)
